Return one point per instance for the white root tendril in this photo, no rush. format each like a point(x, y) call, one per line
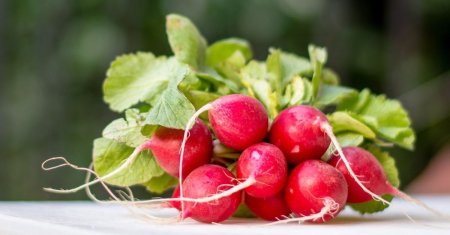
point(419, 203)
point(127, 163)
point(189, 124)
point(328, 130)
point(88, 189)
point(330, 207)
point(248, 182)
point(88, 170)
point(127, 199)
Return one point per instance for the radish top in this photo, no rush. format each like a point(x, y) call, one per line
point(154, 91)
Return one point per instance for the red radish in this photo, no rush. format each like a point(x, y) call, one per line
point(298, 132)
point(271, 208)
point(315, 191)
point(205, 181)
point(368, 170)
point(238, 121)
point(266, 164)
point(370, 173)
point(166, 142)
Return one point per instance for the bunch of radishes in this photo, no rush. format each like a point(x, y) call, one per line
point(264, 142)
point(279, 173)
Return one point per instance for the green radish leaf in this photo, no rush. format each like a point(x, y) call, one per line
point(386, 117)
point(219, 81)
point(231, 67)
point(160, 184)
point(329, 77)
point(344, 122)
point(254, 79)
point(391, 172)
point(349, 139)
point(201, 98)
point(329, 95)
point(243, 212)
point(232, 167)
point(140, 77)
point(148, 130)
point(318, 57)
point(127, 130)
point(221, 50)
point(109, 154)
point(372, 206)
point(283, 66)
point(299, 91)
point(186, 42)
point(172, 110)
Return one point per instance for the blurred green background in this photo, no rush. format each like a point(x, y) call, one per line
point(54, 54)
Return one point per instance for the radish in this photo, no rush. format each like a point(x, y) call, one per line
point(298, 132)
point(315, 191)
point(371, 174)
point(266, 165)
point(271, 208)
point(368, 170)
point(205, 181)
point(238, 121)
point(166, 142)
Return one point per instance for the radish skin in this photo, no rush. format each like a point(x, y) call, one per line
point(271, 208)
point(166, 142)
point(238, 121)
point(297, 132)
point(368, 170)
point(267, 165)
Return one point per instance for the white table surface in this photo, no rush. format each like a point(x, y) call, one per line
point(91, 218)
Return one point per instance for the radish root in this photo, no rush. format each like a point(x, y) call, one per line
point(88, 170)
point(330, 207)
point(127, 163)
point(248, 182)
